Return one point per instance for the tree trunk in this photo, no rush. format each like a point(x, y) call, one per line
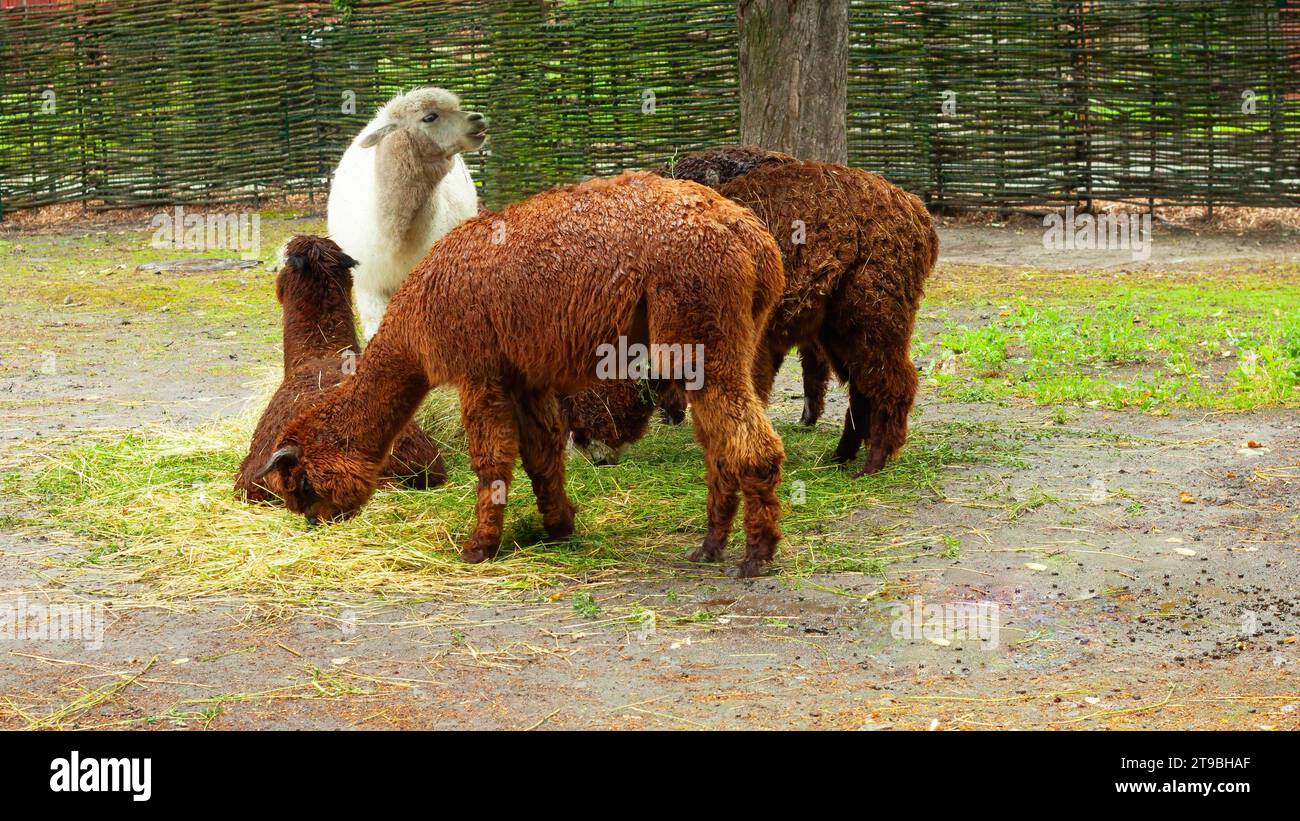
point(794, 65)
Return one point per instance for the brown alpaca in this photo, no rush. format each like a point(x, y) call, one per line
point(516, 306)
point(857, 251)
point(320, 349)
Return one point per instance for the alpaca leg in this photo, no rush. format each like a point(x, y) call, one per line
point(724, 500)
point(541, 444)
point(743, 452)
point(857, 426)
point(758, 484)
point(767, 361)
point(816, 373)
point(487, 412)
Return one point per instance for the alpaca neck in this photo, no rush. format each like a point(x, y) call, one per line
point(381, 397)
point(408, 170)
point(317, 328)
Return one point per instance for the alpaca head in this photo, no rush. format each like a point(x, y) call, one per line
point(433, 120)
point(313, 266)
point(316, 474)
point(608, 417)
point(715, 166)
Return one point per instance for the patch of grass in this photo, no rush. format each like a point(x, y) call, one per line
point(97, 270)
point(584, 604)
point(156, 508)
point(1224, 345)
point(439, 415)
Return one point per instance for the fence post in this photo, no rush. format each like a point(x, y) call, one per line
point(932, 95)
point(1151, 120)
point(1210, 110)
point(1079, 54)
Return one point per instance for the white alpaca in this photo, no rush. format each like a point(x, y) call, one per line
point(400, 186)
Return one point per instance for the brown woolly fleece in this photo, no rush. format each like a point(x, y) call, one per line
point(314, 287)
point(516, 306)
point(857, 251)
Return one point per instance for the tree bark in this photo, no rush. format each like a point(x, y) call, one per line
point(794, 65)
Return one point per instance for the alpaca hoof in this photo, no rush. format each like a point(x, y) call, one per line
point(707, 552)
point(747, 569)
point(808, 419)
point(476, 551)
point(561, 528)
point(872, 466)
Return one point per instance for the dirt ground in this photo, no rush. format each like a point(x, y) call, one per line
point(1145, 578)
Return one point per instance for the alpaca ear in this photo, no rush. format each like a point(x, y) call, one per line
point(298, 261)
point(378, 134)
point(286, 458)
point(347, 262)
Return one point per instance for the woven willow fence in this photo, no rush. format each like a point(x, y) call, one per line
point(149, 101)
point(1185, 101)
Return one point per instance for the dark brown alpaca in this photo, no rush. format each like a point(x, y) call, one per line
point(516, 306)
point(857, 251)
point(320, 349)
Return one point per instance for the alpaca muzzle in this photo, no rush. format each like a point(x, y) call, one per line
point(477, 127)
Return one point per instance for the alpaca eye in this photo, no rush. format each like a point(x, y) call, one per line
point(428, 118)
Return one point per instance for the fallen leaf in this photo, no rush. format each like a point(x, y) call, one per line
point(1035, 566)
point(939, 641)
point(1186, 498)
point(1184, 551)
point(340, 661)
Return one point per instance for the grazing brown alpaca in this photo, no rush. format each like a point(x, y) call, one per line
point(320, 348)
point(516, 306)
point(857, 251)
